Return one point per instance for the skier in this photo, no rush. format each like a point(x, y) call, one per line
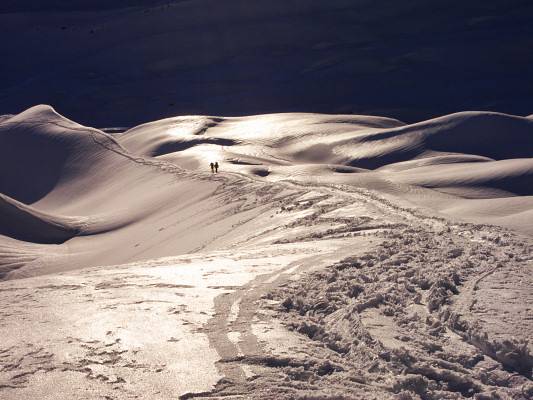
point(216, 166)
point(212, 167)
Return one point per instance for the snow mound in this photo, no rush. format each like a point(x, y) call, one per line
point(40, 149)
point(172, 135)
point(514, 176)
point(466, 155)
point(362, 142)
point(24, 223)
point(62, 181)
point(293, 268)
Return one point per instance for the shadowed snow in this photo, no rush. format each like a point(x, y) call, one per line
point(114, 63)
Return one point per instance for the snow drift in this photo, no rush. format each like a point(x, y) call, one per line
point(331, 256)
point(60, 180)
point(440, 162)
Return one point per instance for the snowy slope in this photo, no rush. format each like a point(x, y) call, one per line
point(319, 261)
point(96, 190)
point(365, 237)
point(440, 162)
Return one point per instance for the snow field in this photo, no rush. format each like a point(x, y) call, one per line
point(319, 279)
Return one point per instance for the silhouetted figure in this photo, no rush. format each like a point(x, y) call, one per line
point(216, 166)
point(212, 167)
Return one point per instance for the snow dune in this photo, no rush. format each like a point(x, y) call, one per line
point(319, 260)
point(354, 141)
point(62, 182)
point(24, 223)
point(74, 182)
point(468, 155)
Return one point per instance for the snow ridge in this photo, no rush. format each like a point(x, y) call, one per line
point(293, 272)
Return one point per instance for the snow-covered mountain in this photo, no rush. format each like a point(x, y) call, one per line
point(367, 234)
point(121, 63)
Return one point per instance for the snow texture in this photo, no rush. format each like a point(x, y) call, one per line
point(368, 233)
point(331, 257)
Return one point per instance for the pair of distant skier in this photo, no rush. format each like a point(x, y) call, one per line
point(214, 167)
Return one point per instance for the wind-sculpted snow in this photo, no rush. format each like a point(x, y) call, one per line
point(466, 155)
point(41, 151)
point(24, 223)
point(294, 272)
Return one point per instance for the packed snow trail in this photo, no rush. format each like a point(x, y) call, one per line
point(416, 338)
